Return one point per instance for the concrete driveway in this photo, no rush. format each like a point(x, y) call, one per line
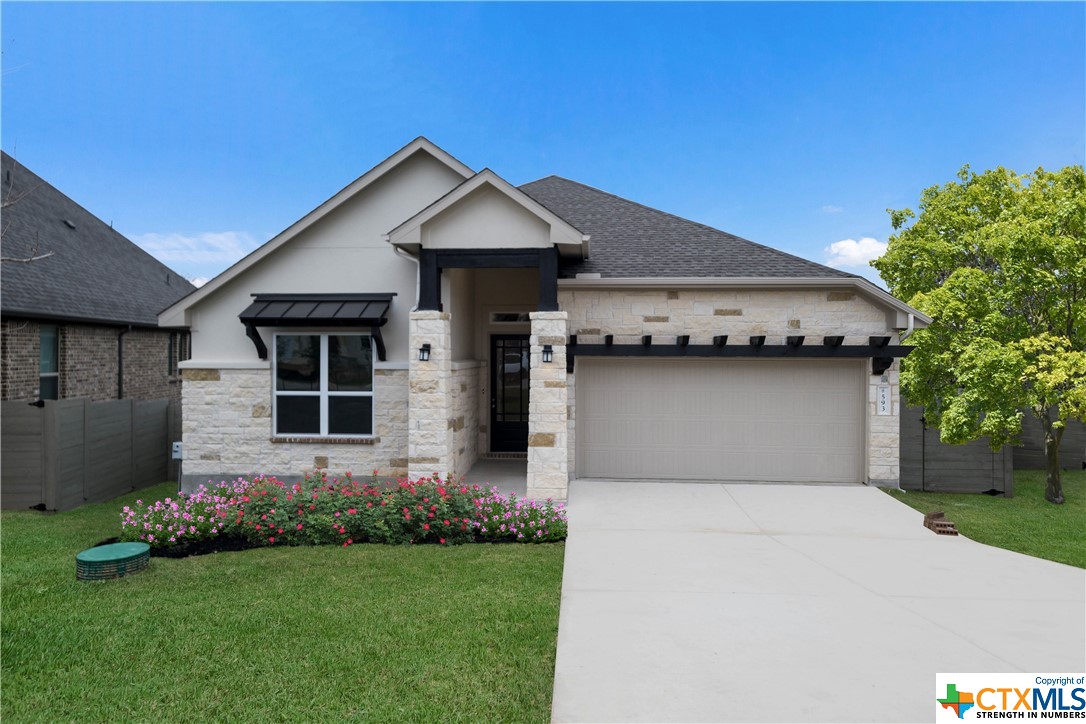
point(789, 603)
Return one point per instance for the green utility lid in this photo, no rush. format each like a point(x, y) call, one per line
point(115, 560)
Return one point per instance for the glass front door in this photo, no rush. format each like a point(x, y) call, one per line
point(509, 379)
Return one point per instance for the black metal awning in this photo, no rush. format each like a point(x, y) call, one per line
point(317, 310)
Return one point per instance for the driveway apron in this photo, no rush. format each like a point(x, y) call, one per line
point(789, 603)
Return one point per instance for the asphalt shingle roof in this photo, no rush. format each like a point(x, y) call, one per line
point(629, 239)
point(94, 273)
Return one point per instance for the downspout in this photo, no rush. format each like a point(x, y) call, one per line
point(908, 330)
point(120, 362)
point(418, 274)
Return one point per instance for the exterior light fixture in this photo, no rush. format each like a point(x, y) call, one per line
point(424, 353)
point(548, 354)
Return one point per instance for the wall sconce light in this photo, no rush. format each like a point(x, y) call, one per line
point(424, 353)
point(548, 354)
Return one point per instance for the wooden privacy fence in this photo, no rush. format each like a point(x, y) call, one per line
point(72, 452)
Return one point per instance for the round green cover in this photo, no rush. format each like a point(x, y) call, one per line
point(112, 552)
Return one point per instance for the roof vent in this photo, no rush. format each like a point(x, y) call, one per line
point(69, 224)
point(589, 275)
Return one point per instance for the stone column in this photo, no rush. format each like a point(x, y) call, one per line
point(884, 431)
point(429, 435)
point(548, 415)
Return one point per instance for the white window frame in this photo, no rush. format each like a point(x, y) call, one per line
point(324, 393)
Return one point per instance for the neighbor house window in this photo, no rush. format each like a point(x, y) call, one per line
point(323, 384)
point(49, 365)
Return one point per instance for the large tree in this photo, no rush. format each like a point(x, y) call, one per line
point(998, 261)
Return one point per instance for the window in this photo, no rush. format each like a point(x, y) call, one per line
point(49, 364)
point(323, 385)
point(171, 355)
point(509, 318)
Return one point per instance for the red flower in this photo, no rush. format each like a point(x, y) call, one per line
point(271, 539)
point(426, 526)
point(407, 516)
point(441, 492)
point(280, 530)
point(442, 541)
point(351, 511)
point(299, 526)
point(369, 505)
point(446, 522)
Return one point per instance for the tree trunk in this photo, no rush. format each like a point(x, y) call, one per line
point(1053, 484)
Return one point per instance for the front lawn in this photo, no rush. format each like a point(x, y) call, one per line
point(1026, 523)
point(368, 632)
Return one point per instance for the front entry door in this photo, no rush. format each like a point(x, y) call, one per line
point(509, 375)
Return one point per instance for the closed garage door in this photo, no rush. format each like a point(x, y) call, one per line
point(687, 419)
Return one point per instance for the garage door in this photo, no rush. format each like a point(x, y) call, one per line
point(686, 419)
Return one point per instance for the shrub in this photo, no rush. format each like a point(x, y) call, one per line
point(501, 517)
point(341, 510)
point(200, 516)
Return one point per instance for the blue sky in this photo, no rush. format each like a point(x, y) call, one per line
point(201, 130)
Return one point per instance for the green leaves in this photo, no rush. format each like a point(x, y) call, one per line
point(998, 261)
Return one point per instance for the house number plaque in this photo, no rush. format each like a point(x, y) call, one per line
point(882, 400)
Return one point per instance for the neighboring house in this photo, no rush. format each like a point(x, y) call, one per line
point(82, 321)
point(427, 315)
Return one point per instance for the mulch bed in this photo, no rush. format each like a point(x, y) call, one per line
point(195, 548)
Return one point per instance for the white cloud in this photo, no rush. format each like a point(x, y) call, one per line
point(220, 247)
point(831, 209)
point(199, 281)
point(852, 253)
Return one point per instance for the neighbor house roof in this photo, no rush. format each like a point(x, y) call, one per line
point(93, 273)
point(632, 240)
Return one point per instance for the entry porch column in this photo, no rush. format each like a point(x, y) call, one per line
point(548, 411)
point(429, 405)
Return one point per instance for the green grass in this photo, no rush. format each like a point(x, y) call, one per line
point(375, 633)
point(1026, 523)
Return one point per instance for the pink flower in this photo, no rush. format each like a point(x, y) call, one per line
point(299, 526)
point(271, 539)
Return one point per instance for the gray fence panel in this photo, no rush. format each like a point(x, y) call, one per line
point(151, 423)
point(932, 465)
point(21, 456)
point(1030, 455)
point(73, 452)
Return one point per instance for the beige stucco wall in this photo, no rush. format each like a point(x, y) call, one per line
point(343, 252)
point(485, 219)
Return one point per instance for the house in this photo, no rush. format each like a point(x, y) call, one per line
point(428, 315)
point(81, 321)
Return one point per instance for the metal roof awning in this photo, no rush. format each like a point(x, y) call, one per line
point(317, 310)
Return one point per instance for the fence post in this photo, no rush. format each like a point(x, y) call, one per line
point(50, 445)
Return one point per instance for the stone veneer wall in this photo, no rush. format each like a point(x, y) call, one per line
point(465, 415)
point(430, 419)
point(740, 313)
point(548, 415)
point(227, 429)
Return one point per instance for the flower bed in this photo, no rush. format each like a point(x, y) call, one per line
point(321, 510)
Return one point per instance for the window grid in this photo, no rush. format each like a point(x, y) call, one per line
point(323, 393)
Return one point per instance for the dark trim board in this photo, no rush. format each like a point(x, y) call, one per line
point(878, 354)
point(433, 261)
